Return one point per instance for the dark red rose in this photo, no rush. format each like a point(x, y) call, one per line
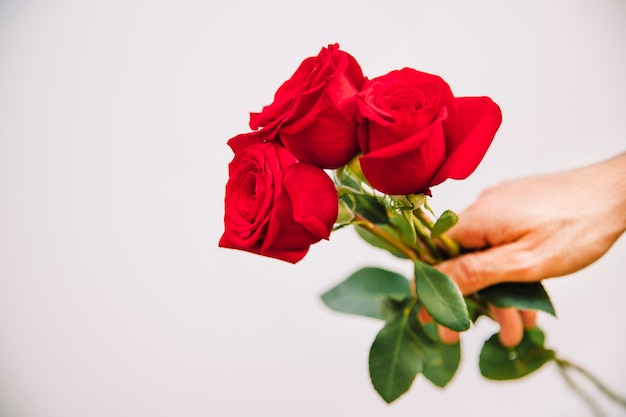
point(415, 134)
point(276, 206)
point(314, 112)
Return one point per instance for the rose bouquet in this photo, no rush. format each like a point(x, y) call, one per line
point(336, 149)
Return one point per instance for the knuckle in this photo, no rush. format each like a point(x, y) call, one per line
point(469, 277)
point(527, 264)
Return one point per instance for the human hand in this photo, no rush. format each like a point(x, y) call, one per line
point(535, 228)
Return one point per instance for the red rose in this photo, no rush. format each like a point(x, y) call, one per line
point(276, 206)
point(314, 112)
point(415, 134)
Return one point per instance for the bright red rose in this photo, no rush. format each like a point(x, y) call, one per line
point(276, 206)
point(314, 112)
point(415, 134)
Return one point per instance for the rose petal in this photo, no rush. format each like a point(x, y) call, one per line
point(291, 256)
point(322, 84)
point(315, 205)
point(244, 140)
point(477, 121)
point(330, 142)
point(406, 167)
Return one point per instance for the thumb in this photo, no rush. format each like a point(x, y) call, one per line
point(476, 270)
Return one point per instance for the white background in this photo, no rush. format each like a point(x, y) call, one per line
point(114, 115)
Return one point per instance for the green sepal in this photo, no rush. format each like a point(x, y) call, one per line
point(367, 206)
point(351, 191)
point(498, 362)
point(371, 292)
point(354, 165)
point(441, 297)
point(444, 223)
point(345, 215)
point(402, 220)
point(395, 358)
point(410, 201)
point(523, 296)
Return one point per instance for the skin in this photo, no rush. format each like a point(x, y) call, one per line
point(535, 228)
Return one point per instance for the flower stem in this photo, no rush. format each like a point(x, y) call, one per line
point(452, 248)
point(422, 227)
point(595, 409)
point(396, 243)
point(564, 365)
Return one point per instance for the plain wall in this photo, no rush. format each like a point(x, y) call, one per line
point(114, 115)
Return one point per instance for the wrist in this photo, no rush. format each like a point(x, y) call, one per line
point(609, 178)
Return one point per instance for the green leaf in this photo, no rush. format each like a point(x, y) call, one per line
point(441, 360)
point(524, 296)
point(395, 359)
point(441, 372)
point(374, 240)
point(444, 223)
point(501, 363)
point(347, 178)
point(390, 308)
point(354, 165)
point(441, 297)
point(367, 293)
point(423, 333)
point(475, 311)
